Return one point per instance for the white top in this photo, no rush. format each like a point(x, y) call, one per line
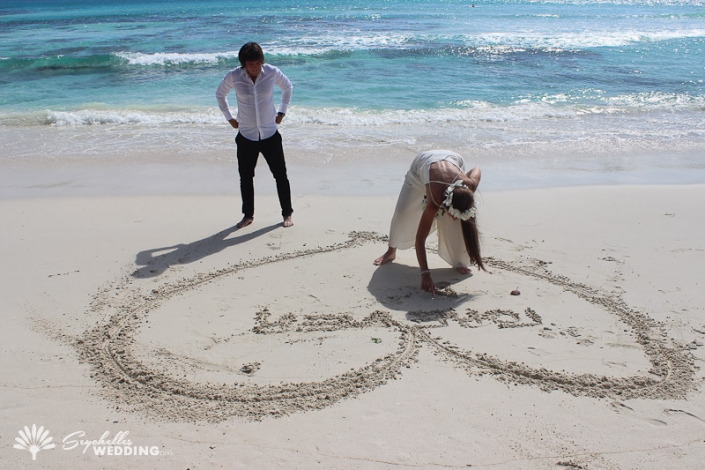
point(256, 113)
point(422, 163)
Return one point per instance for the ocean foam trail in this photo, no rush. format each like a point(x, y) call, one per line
point(97, 117)
point(498, 42)
point(317, 45)
point(87, 117)
point(174, 58)
point(558, 106)
point(572, 41)
point(482, 43)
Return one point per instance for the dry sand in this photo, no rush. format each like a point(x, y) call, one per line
point(153, 320)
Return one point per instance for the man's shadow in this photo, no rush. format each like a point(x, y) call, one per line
point(397, 287)
point(157, 260)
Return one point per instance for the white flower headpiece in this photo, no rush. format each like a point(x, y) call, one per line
point(448, 203)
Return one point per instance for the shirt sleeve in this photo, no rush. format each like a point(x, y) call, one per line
point(221, 95)
point(285, 84)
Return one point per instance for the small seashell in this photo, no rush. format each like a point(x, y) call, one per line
point(516, 292)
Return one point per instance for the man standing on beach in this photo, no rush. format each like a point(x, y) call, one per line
point(257, 121)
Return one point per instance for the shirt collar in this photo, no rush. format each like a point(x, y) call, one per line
point(243, 70)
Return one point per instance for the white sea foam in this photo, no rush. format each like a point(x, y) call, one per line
point(490, 42)
point(351, 40)
point(498, 42)
point(533, 134)
point(120, 117)
point(174, 58)
point(544, 107)
point(502, 42)
point(525, 108)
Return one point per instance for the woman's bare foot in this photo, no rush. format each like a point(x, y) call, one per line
point(244, 222)
point(463, 269)
point(288, 222)
point(387, 257)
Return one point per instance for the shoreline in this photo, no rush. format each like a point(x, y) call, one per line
point(366, 178)
point(348, 159)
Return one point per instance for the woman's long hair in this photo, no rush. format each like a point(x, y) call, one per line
point(464, 199)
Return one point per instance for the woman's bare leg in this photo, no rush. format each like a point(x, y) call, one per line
point(387, 257)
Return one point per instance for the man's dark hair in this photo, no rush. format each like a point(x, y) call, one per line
point(250, 51)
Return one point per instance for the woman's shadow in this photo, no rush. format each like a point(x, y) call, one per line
point(397, 287)
point(157, 260)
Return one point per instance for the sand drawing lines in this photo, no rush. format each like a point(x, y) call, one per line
point(136, 384)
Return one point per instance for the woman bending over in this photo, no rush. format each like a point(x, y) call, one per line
point(437, 194)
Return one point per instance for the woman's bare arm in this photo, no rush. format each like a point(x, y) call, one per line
point(425, 224)
point(474, 176)
point(421, 234)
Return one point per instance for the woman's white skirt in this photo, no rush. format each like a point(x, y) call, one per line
point(405, 224)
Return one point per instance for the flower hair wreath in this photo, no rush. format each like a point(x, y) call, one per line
point(448, 203)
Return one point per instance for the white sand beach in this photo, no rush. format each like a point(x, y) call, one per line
point(141, 329)
point(149, 322)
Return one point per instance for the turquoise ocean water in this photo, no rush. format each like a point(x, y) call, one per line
point(580, 87)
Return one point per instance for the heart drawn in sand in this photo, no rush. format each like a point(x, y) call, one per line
point(134, 380)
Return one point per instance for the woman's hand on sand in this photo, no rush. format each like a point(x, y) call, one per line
point(427, 284)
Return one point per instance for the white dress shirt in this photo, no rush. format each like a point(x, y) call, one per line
point(256, 113)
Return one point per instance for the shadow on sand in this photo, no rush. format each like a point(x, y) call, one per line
point(157, 260)
point(397, 287)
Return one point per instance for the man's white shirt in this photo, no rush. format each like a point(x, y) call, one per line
point(256, 113)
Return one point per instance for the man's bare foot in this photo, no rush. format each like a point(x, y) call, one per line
point(463, 269)
point(387, 257)
point(288, 222)
point(244, 222)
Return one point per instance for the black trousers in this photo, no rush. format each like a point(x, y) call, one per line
point(247, 153)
